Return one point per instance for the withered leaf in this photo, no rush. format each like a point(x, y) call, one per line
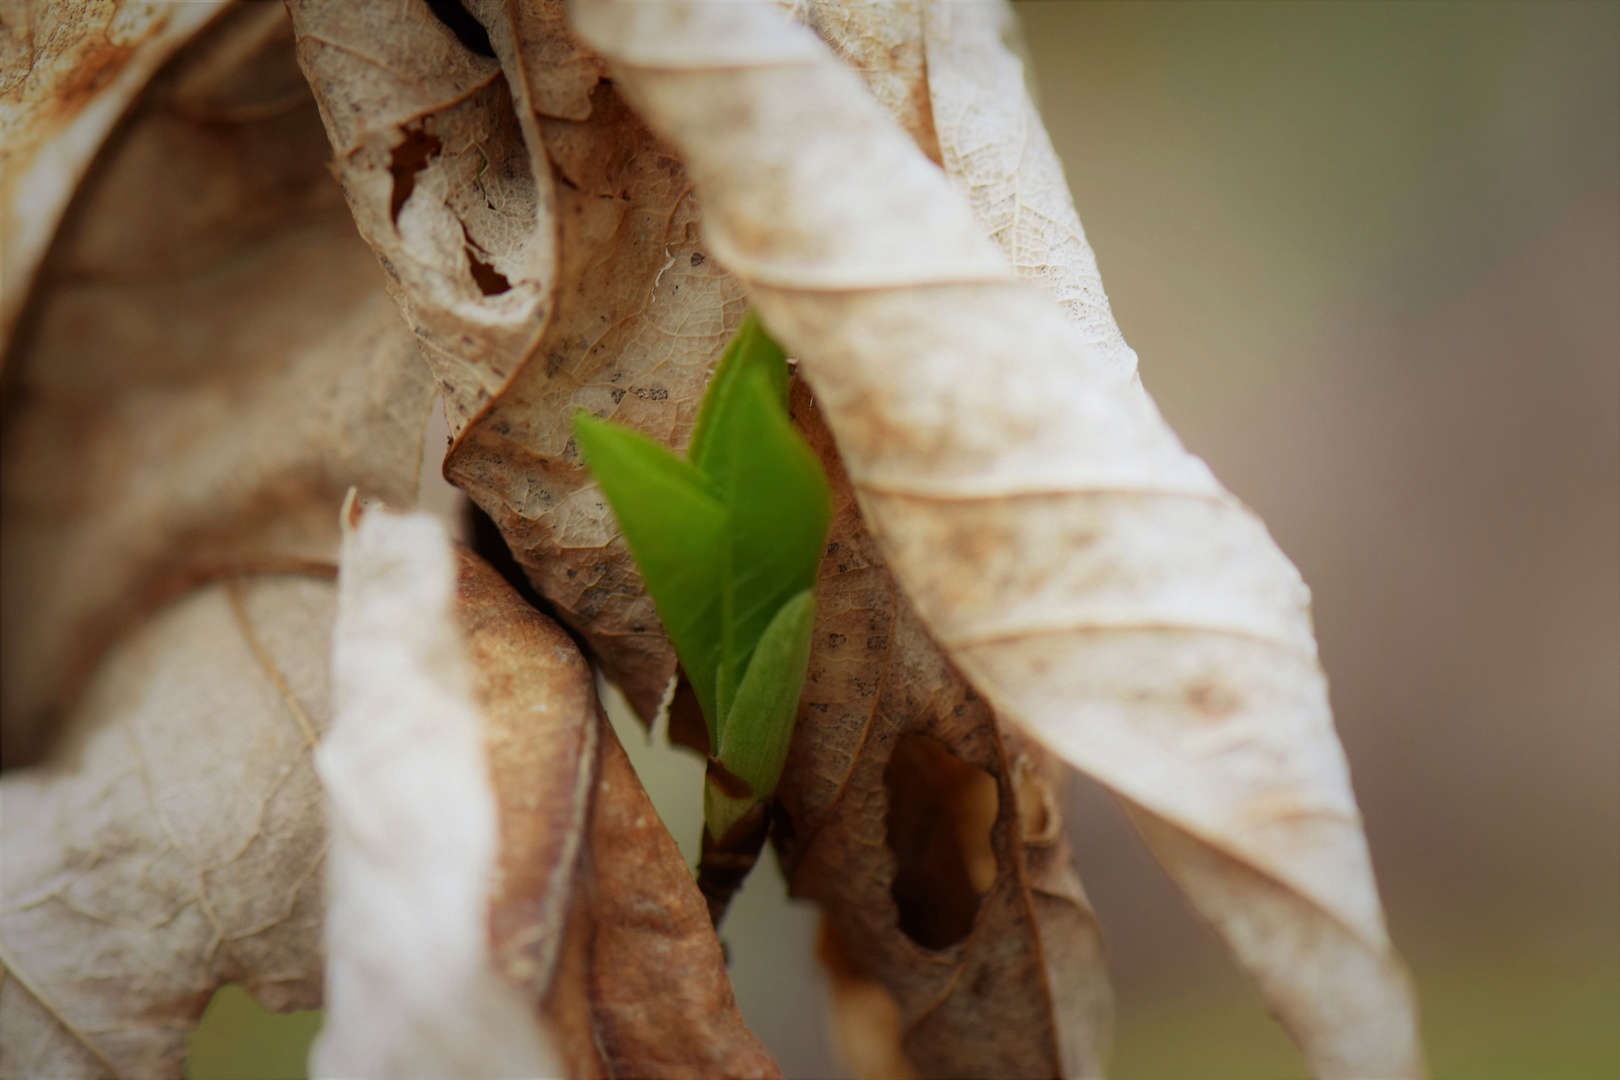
point(594, 919)
point(595, 914)
point(211, 363)
point(174, 841)
point(905, 815)
point(68, 72)
point(662, 1001)
point(442, 183)
point(1319, 955)
point(634, 317)
point(412, 985)
point(1088, 574)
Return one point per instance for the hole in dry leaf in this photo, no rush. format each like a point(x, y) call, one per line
point(468, 30)
point(239, 1038)
point(409, 158)
point(941, 811)
point(491, 282)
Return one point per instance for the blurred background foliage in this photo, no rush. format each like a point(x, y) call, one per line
point(1369, 255)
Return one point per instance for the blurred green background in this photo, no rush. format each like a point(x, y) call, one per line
point(1369, 255)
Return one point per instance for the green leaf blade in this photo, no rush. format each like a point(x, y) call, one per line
point(754, 740)
point(780, 506)
point(674, 520)
point(750, 349)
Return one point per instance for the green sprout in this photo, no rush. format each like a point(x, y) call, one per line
point(728, 542)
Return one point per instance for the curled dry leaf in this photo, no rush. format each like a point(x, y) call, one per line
point(635, 315)
point(595, 915)
point(442, 184)
point(901, 814)
point(68, 72)
point(1086, 572)
point(641, 313)
point(593, 923)
point(174, 840)
point(210, 363)
point(412, 988)
point(997, 154)
point(662, 1001)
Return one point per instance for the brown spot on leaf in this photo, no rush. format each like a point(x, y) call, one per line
point(1213, 698)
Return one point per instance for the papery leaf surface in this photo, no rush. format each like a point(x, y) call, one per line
point(1088, 574)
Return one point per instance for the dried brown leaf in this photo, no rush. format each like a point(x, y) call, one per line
point(996, 968)
point(442, 183)
point(641, 313)
point(412, 984)
point(596, 924)
point(174, 841)
point(595, 916)
point(1089, 575)
point(634, 317)
point(663, 1002)
point(538, 701)
point(68, 73)
point(211, 363)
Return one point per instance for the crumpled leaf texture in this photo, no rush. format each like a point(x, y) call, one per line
point(212, 362)
point(641, 313)
point(1086, 572)
point(175, 841)
point(634, 317)
point(442, 185)
point(1023, 990)
point(68, 72)
point(411, 987)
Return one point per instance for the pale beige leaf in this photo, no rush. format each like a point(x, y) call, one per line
point(635, 315)
point(211, 363)
point(1336, 995)
point(68, 72)
point(1087, 573)
point(884, 43)
point(442, 183)
point(997, 154)
point(174, 841)
point(411, 986)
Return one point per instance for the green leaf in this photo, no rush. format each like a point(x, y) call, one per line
point(728, 544)
point(750, 348)
point(754, 743)
point(779, 506)
point(675, 523)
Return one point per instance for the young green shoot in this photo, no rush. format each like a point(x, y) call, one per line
point(728, 542)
